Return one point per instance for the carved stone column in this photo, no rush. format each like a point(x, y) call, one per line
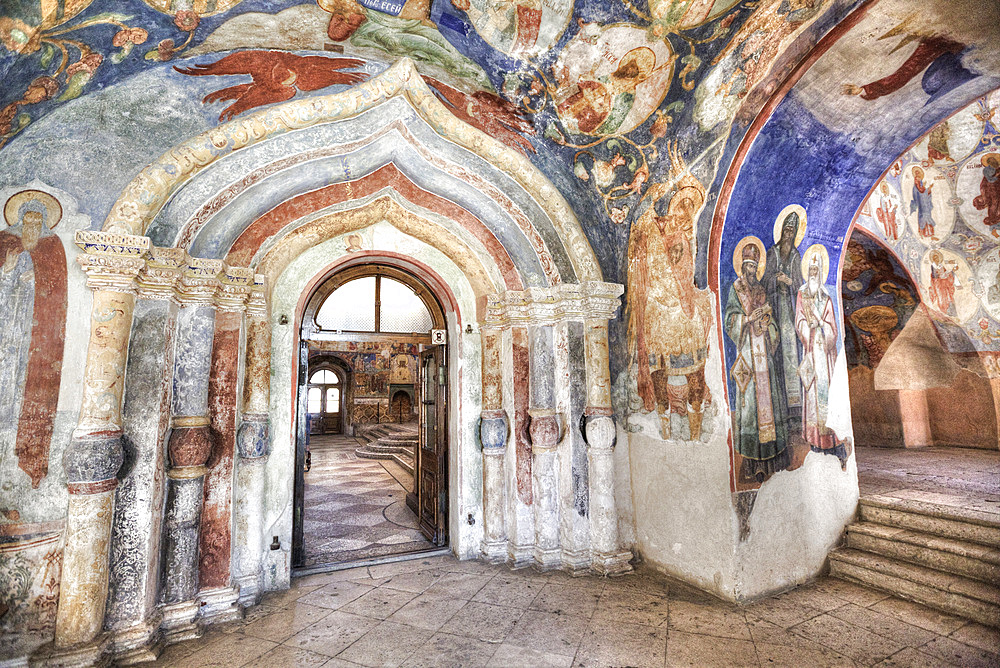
point(544, 432)
point(253, 443)
point(188, 448)
point(132, 617)
point(574, 474)
point(608, 556)
point(218, 596)
point(94, 456)
point(493, 429)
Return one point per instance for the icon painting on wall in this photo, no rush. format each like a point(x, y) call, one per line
point(519, 28)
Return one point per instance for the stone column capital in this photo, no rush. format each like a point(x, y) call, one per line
point(111, 261)
point(235, 287)
point(591, 300)
point(163, 270)
point(199, 282)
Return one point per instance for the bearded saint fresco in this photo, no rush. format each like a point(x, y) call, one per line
point(989, 190)
point(760, 431)
point(922, 203)
point(943, 283)
point(669, 319)
point(885, 212)
point(782, 278)
point(33, 295)
point(817, 331)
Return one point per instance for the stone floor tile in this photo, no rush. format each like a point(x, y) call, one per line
point(280, 599)
point(583, 581)
point(884, 625)
point(919, 615)
point(633, 606)
point(645, 579)
point(782, 612)
point(388, 644)
point(548, 632)
point(427, 611)
point(515, 656)
point(172, 654)
point(960, 654)
point(850, 592)
point(977, 635)
point(254, 613)
point(700, 651)
point(856, 642)
point(807, 654)
point(511, 590)
point(289, 657)
point(474, 567)
point(415, 582)
point(459, 585)
point(332, 634)
point(410, 566)
point(320, 579)
point(445, 650)
point(765, 632)
point(234, 650)
point(714, 619)
point(286, 622)
point(812, 597)
point(912, 658)
point(611, 643)
point(379, 603)
point(483, 621)
point(339, 663)
point(335, 594)
point(565, 600)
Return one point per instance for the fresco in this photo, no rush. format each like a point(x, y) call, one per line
point(882, 86)
point(33, 297)
point(950, 242)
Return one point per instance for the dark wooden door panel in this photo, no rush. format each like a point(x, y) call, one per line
point(432, 455)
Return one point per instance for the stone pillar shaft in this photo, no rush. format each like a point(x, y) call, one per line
point(571, 399)
point(253, 444)
point(545, 434)
point(94, 456)
point(493, 430)
point(521, 521)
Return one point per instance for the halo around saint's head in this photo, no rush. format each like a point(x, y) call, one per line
point(738, 255)
point(800, 233)
point(816, 251)
point(13, 208)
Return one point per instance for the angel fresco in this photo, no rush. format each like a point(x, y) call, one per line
point(669, 318)
point(760, 430)
point(33, 287)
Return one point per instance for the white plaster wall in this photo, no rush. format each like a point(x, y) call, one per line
point(464, 359)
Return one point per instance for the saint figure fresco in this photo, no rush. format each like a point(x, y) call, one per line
point(943, 283)
point(989, 190)
point(760, 431)
point(816, 327)
point(922, 203)
point(885, 212)
point(33, 295)
point(669, 319)
point(782, 278)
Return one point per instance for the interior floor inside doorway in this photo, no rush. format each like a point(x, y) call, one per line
point(356, 508)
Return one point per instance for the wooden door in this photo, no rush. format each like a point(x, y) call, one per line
point(432, 455)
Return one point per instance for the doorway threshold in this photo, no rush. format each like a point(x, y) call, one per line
point(374, 561)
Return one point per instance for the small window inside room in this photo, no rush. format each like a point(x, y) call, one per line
point(374, 304)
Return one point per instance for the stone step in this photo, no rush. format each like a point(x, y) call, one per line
point(947, 592)
point(973, 560)
point(931, 518)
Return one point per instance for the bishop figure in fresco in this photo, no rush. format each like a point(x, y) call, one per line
point(760, 430)
point(782, 278)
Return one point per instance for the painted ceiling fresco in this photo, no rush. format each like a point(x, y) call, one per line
point(938, 209)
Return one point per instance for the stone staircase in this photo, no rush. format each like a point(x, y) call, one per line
point(944, 557)
point(389, 441)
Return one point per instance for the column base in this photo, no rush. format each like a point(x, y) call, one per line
point(576, 562)
point(138, 644)
point(520, 556)
point(251, 589)
point(494, 552)
point(615, 563)
point(220, 605)
point(549, 559)
point(179, 622)
point(94, 653)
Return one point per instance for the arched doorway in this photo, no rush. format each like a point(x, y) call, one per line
point(372, 480)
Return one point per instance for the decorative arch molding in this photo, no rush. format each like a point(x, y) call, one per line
point(146, 195)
